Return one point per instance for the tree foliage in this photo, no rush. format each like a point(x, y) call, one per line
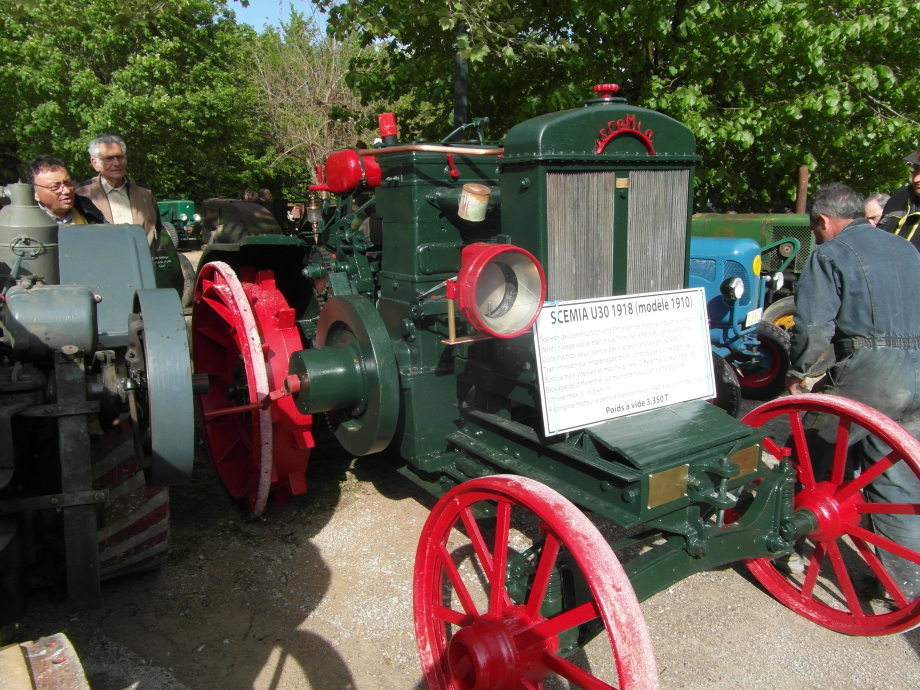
point(300, 79)
point(169, 77)
point(766, 85)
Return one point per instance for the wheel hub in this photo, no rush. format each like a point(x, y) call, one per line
point(486, 655)
point(833, 516)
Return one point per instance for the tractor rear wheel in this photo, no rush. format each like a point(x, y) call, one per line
point(846, 585)
point(475, 632)
point(244, 335)
point(781, 313)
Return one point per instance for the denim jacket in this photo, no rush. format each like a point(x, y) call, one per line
point(864, 283)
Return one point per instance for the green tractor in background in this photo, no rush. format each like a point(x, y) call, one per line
point(180, 221)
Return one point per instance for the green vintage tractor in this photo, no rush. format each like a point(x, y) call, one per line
point(514, 320)
point(180, 221)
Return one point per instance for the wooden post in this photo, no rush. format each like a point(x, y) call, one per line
point(801, 192)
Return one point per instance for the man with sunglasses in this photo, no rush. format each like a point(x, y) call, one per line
point(54, 192)
point(121, 199)
point(901, 215)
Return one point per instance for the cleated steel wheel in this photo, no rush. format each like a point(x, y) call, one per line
point(244, 335)
point(491, 605)
point(134, 535)
point(845, 585)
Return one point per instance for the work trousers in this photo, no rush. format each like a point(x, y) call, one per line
point(887, 379)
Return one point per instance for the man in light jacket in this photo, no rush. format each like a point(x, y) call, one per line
point(121, 199)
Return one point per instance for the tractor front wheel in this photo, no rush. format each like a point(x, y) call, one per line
point(477, 629)
point(767, 378)
point(851, 583)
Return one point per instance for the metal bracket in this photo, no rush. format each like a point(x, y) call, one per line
point(74, 498)
point(62, 409)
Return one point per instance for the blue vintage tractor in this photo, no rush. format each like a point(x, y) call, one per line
point(753, 351)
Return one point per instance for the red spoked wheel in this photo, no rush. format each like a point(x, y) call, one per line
point(766, 378)
point(843, 551)
point(244, 335)
point(488, 610)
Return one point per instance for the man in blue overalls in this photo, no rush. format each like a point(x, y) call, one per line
point(859, 293)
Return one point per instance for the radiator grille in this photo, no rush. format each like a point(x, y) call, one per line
point(657, 230)
point(735, 270)
point(800, 232)
point(580, 234)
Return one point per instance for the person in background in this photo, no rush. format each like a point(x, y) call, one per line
point(54, 192)
point(121, 199)
point(874, 205)
point(265, 195)
point(859, 293)
point(901, 215)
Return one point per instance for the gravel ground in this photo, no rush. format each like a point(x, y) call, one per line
point(318, 595)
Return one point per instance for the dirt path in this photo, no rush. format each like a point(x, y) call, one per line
point(318, 595)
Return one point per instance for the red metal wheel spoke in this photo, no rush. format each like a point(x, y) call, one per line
point(811, 572)
point(560, 623)
point(452, 616)
point(880, 572)
point(770, 446)
point(884, 543)
point(864, 479)
point(498, 594)
point(220, 308)
point(573, 673)
point(843, 579)
point(889, 508)
point(806, 474)
point(211, 334)
point(457, 581)
point(479, 546)
point(544, 571)
point(840, 452)
point(527, 685)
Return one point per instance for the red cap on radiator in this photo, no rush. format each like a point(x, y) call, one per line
point(606, 90)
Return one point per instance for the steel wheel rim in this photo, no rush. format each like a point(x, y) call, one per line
point(478, 642)
point(838, 503)
point(225, 329)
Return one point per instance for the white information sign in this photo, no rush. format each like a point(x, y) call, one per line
point(598, 359)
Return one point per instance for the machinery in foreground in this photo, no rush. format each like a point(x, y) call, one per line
point(515, 321)
point(96, 407)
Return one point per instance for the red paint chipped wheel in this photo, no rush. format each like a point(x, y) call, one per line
point(843, 552)
point(491, 604)
point(244, 335)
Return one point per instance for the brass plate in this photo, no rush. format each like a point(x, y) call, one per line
point(746, 459)
point(667, 486)
point(622, 183)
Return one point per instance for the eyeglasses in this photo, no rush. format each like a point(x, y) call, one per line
point(56, 187)
point(111, 159)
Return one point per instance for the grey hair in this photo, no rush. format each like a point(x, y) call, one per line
point(837, 201)
point(880, 198)
point(93, 147)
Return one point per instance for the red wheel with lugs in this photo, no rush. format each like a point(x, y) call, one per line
point(842, 584)
point(244, 335)
point(490, 608)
